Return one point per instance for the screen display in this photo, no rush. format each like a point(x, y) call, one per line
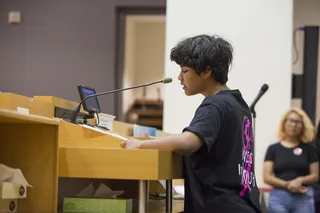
point(91, 103)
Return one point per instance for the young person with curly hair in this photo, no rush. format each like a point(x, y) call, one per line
point(218, 144)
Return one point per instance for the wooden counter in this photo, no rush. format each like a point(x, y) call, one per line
point(46, 148)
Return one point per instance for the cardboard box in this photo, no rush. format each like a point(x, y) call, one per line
point(96, 205)
point(12, 191)
point(8, 205)
point(13, 184)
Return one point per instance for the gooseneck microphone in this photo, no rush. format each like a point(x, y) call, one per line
point(263, 90)
point(75, 112)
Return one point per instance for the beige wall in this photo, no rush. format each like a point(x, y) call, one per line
point(129, 63)
point(306, 12)
point(144, 57)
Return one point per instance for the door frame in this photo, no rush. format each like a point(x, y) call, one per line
point(120, 28)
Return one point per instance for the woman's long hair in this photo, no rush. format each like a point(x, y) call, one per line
point(307, 134)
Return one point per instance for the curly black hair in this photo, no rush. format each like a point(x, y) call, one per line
point(201, 51)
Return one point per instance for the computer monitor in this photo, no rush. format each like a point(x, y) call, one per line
point(90, 105)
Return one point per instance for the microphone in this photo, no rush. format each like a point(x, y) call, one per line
point(263, 90)
point(76, 111)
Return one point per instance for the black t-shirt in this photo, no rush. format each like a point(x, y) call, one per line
point(220, 177)
point(316, 187)
point(290, 163)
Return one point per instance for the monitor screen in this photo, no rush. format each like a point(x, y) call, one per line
point(90, 105)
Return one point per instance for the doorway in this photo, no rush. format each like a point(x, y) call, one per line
point(140, 52)
point(144, 63)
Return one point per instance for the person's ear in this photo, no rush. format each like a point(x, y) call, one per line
point(207, 72)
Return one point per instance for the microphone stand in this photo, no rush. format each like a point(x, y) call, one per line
point(254, 115)
point(263, 90)
point(76, 111)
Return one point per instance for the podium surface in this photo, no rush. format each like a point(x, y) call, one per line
point(46, 148)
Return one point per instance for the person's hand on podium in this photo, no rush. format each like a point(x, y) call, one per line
point(184, 143)
point(131, 143)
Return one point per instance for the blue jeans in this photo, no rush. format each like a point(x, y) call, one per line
point(282, 201)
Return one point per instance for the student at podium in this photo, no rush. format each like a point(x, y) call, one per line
point(218, 143)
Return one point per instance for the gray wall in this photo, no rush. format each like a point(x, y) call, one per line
point(60, 44)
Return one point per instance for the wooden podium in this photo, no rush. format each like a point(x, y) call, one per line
point(46, 148)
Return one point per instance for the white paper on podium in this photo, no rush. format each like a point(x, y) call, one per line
point(106, 132)
point(12, 175)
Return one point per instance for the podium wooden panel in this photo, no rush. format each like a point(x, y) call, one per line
point(47, 148)
point(13, 101)
point(30, 143)
point(85, 154)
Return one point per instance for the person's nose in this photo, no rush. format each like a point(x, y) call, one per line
point(180, 77)
point(295, 125)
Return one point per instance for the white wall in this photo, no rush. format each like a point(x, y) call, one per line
point(306, 12)
point(144, 56)
point(261, 33)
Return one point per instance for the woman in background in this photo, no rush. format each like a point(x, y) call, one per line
point(316, 187)
point(291, 165)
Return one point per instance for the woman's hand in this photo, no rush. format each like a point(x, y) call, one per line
point(302, 190)
point(296, 186)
